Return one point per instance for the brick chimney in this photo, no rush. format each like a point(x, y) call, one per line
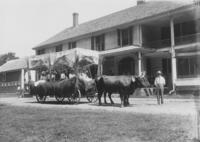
point(75, 19)
point(139, 2)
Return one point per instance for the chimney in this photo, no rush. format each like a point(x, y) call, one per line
point(139, 2)
point(75, 19)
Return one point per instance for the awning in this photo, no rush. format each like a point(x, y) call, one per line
point(124, 50)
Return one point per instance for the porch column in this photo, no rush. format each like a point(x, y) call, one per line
point(22, 78)
point(100, 66)
point(140, 35)
point(139, 63)
point(173, 56)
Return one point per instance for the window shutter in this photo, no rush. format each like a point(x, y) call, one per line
point(103, 42)
point(130, 35)
point(119, 37)
point(92, 43)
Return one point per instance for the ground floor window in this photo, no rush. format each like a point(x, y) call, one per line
point(188, 66)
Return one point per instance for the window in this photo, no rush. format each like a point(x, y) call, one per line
point(125, 36)
point(59, 48)
point(165, 33)
point(188, 66)
point(188, 28)
point(72, 45)
point(98, 43)
point(40, 52)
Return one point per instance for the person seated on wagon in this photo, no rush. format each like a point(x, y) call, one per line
point(53, 76)
point(84, 75)
point(43, 76)
point(71, 75)
point(48, 78)
point(62, 76)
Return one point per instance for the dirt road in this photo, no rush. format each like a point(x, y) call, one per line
point(138, 105)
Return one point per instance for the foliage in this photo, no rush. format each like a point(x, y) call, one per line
point(7, 57)
point(64, 63)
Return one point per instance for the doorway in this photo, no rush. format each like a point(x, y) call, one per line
point(126, 66)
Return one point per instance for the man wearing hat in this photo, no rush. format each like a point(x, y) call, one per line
point(159, 83)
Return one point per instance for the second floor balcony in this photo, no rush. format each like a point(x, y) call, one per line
point(181, 40)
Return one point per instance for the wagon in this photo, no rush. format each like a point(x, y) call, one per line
point(75, 59)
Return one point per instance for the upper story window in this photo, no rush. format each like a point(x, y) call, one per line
point(59, 48)
point(72, 45)
point(125, 36)
point(40, 52)
point(98, 42)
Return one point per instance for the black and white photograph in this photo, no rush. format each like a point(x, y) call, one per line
point(99, 70)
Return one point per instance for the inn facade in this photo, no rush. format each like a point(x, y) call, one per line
point(150, 36)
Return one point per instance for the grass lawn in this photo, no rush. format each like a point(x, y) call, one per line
point(26, 124)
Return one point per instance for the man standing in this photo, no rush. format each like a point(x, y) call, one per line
point(159, 83)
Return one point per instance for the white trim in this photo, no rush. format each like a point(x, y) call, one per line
point(122, 50)
point(173, 58)
point(22, 78)
point(187, 54)
point(186, 46)
point(139, 63)
point(187, 82)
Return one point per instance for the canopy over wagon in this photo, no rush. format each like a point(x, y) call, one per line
point(75, 59)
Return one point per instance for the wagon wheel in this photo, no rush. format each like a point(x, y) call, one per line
point(75, 97)
point(41, 99)
point(60, 99)
point(92, 98)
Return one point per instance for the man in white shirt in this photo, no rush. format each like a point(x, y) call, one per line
point(159, 83)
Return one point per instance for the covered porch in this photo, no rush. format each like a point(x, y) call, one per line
point(127, 60)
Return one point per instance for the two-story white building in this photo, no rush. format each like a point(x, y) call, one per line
point(150, 36)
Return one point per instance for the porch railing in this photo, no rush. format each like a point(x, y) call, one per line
point(187, 39)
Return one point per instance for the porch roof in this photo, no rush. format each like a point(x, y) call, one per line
point(14, 65)
point(127, 49)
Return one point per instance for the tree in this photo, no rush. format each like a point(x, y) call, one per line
point(7, 57)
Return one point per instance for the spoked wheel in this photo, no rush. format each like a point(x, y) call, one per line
point(92, 98)
point(41, 99)
point(60, 99)
point(75, 97)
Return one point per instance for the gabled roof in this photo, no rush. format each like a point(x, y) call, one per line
point(14, 65)
point(139, 12)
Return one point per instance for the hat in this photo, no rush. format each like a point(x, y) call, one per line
point(159, 72)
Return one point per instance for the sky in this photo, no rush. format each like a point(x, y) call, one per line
point(26, 23)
